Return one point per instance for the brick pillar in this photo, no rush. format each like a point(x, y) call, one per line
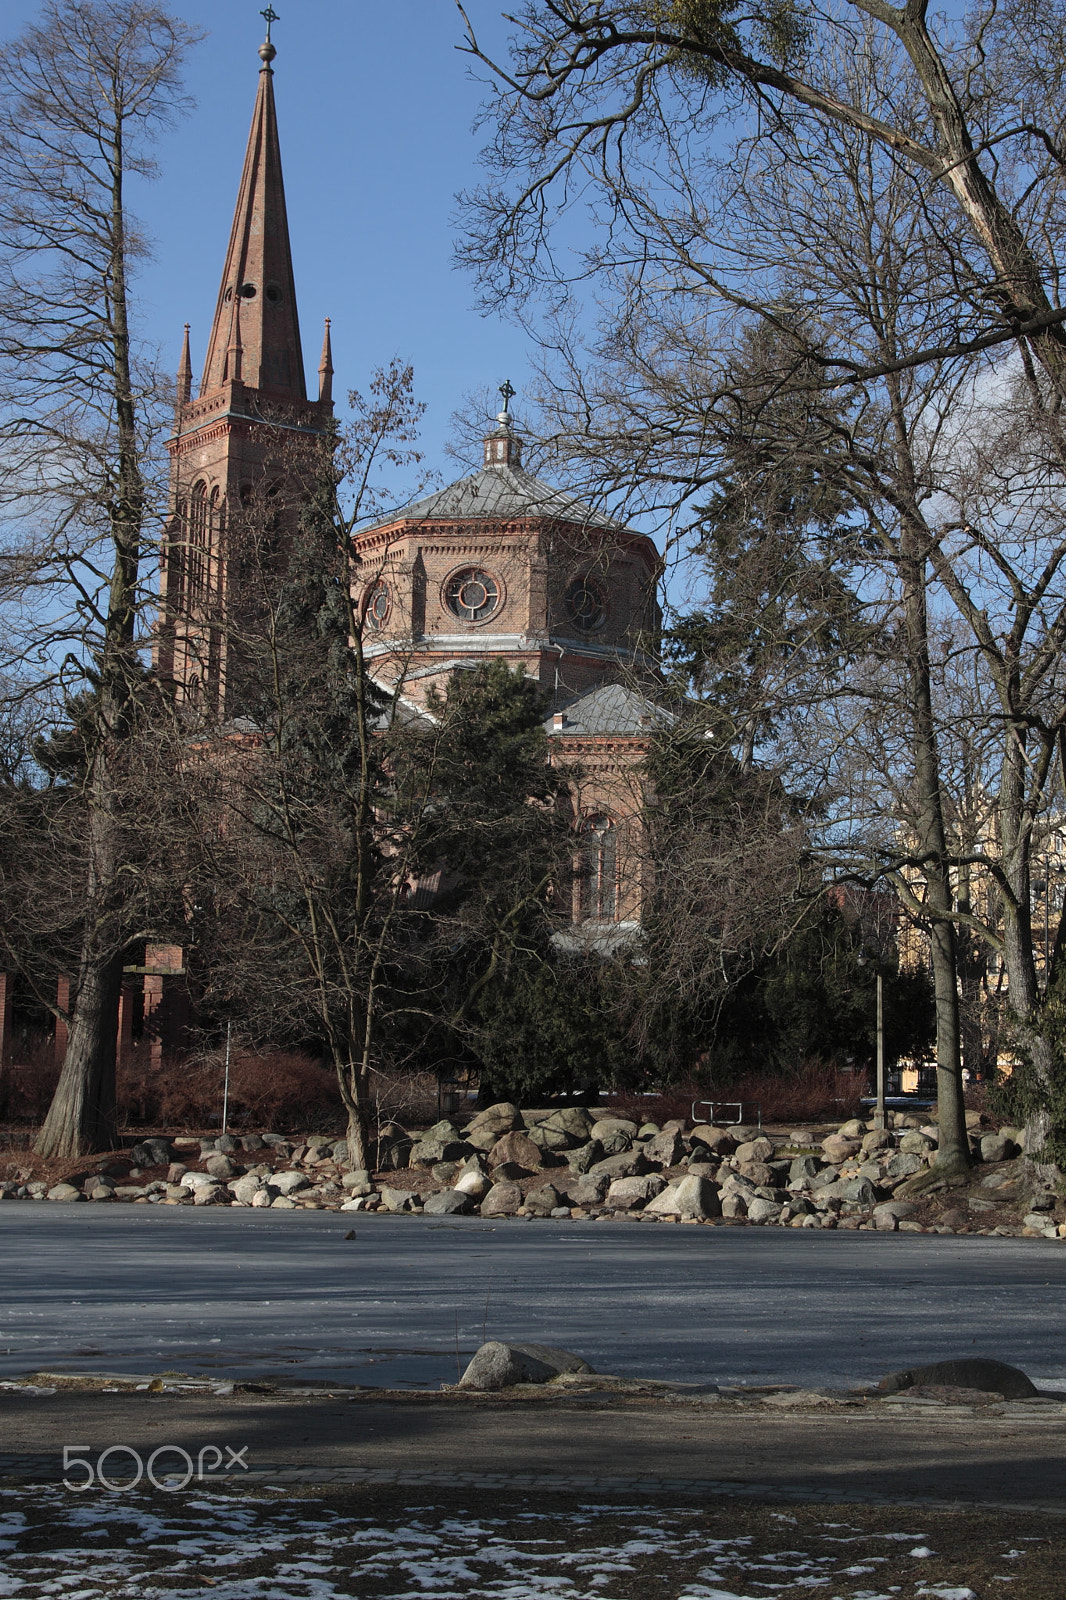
point(62, 1031)
point(127, 1000)
point(166, 999)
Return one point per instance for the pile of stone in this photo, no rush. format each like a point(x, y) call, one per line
point(570, 1162)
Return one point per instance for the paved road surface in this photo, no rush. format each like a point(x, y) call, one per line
point(244, 1292)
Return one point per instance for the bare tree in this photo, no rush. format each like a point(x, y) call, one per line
point(82, 97)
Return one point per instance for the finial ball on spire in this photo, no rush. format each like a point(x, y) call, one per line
point(267, 51)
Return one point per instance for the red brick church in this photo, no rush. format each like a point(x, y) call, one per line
point(497, 565)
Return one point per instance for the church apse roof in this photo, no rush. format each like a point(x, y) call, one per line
point(503, 493)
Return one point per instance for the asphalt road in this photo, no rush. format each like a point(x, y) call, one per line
point(249, 1293)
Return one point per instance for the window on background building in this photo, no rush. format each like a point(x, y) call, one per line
point(599, 869)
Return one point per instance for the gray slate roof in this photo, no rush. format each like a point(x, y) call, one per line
point(613, 708)
point(500, 492)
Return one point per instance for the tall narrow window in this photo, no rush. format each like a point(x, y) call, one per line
point(198, 540)
point(599, 870)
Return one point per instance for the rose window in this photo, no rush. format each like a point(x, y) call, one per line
point(473, 595)
point(586, 604)
point(377, 606)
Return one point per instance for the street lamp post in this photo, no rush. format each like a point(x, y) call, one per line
point(880, 1119)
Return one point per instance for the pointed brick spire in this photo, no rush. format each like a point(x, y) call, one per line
point(325, 368)
point(259, 268)
point(184, 383)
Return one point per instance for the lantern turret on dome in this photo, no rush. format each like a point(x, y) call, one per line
point(503, 447)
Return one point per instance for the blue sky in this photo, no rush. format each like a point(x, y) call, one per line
point(375, 106)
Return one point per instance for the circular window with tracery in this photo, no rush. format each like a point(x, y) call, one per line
point(472, 595)
point(586, 604)
point(377, 606)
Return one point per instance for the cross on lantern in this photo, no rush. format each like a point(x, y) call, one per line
point(271, 17)
point(507, 392)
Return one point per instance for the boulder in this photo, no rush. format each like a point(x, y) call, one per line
point(903, 1165)
point(448, 1203)
point(245, 1189)
point(446, 1172)
point(251, 1142)
point(585, 1156)
point(760, 1210)
point(853, 1129)
point(966, 1372)
point(511, 1172)
point(573, 1121)
point(860, 1191)
point(877, 1139)
point(473, 1183)
point(717, 1140)
point(490, 1124)
point(393, 1148)
point(689, 1197)
point(287, 1183)
point(995, 1147)
point(65, 1191)
point(838, 1148)
point(221, 1168)
point(734, 1204)
point(399, 1199)
point(550, 1139)
point(628, 1164)
point(198, 1180)
point(543, 1201)
point(614, 1140)
point(516, 1148)
point(356, 1178)
point(502, 1200)
point(497, 1365)
point(803, 1167)
point(914, 1143)
point(210, 1194)
point(613, 1125)
point(590, 1189)
point(630, 1194)
point(445, 1131)
point(760, 1149)
point(757, 1172)
point(667, 1148)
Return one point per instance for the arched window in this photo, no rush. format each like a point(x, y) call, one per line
point(599, 869)
point(198, 539)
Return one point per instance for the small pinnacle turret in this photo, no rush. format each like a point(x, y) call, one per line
point(325, 367)
point(183, 387)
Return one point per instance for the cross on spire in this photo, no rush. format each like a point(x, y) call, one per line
point(507, 392)
point(271, 17)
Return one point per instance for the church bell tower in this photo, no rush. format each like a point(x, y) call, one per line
point(232, 445)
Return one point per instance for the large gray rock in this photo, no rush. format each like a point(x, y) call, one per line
point(967, 1372)
point(497, 1365)
point(717, 1140)
point(572, 1122)
point(860, 1191)
point(286, 1183)
point(627, 1164)
point(399, 1199)
point(613, 1125)
point(996, 1147)
point(65, 1191)
point(667, 1148)
point(245, 1189)
point(585, 1156)
point(543, 1201)
point(903, 1164)
point(518, 1150)
point(490, 1124)
point(590, 1189)
point(614, 1140)
point(221, 1168)
point(760, 1210)
point(688, 1197)
point(760, 1149)
point(914, 1143)
point(630, 1194)
point(502, 1200)
point(448, 1203)
point(838, 1149)
point(803, 1167)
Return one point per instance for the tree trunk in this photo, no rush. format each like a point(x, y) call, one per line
point(953, 1154)
point(81, 1117)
